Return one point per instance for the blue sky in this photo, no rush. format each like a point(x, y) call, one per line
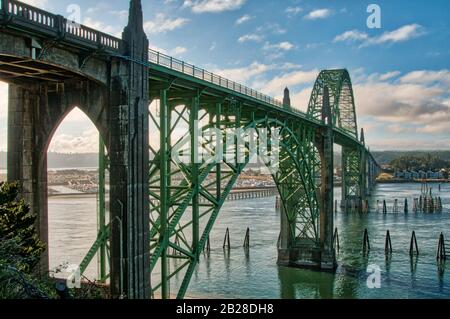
point(401, 72)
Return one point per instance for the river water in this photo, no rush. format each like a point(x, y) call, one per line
point(72, 222)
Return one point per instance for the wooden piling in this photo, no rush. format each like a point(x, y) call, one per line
point(405, 208)
point(384, 207)
point(413, 246)
point(395, 207)
point(366, 243)
point(208, 245)
point(388, 244)
point(441, 253)
point(336, 244)
point(226, 241)
point(247, 239)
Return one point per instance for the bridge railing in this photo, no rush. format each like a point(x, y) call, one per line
point(201, 74)
point(58, 25)
point(30, 13)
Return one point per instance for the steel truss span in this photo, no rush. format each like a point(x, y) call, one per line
point(162, 209)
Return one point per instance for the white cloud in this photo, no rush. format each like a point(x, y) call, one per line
point(285, 46)
point(300, 100)
point(121, 14)
point(94, 23)
point(397, 144)
point(250, 38)
point(352, 35)
point(276, 85)
point(37, 3)
point(76, 134)
point(389, 75)
point(243, 19)
point(409, 105)
point(273, 28)
point(213, 6)
point(162, 24)
point(178, 51)
point(292, 11)
point(244, 74)
point(318, 14)
point(402, 34)
point(74, 143)
point(441, 77)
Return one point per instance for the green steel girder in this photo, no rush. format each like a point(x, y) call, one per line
point(351, 174)
point(185, 199)
point(341, 100)
point(179, 223)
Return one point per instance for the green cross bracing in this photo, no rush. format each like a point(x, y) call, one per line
point(344, 118)
point(186, 198)
point(163, 209)
point(178, 220)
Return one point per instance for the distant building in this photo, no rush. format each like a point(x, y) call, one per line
point(422, 175)
point(412, 175)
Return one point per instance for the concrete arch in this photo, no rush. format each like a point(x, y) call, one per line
point(91, 101)
point(35, 113)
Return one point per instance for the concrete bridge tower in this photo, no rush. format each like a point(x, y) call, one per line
point(129, 158)
point(286, 99)
point(118, 106)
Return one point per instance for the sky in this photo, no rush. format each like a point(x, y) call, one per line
point(400, 71)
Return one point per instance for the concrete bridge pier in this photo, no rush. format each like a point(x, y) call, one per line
point(27, 162)
point(326, 199)
point(119, 109)
point(129, 163)
point(34, 113)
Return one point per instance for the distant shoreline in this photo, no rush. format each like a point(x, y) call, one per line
point(401, 181)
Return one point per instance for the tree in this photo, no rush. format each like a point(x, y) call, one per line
point(17, 224)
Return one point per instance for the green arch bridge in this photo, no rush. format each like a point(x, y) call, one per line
point(161, 209)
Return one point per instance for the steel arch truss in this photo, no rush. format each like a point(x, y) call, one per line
point(186, 196)
point(344, 118)
point(341, 100)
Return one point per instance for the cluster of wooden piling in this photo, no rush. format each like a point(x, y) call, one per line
point(227, 240)
point(427, 203)
point(420, 205)
point(413, 247)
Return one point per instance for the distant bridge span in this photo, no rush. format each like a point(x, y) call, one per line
point(158, 205)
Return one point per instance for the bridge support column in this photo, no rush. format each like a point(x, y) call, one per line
point(284, 251)
point(129, 147)
point(328, 258)
point(27, 156)
point(363, 177)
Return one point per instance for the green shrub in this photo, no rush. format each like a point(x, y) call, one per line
point(17, 224)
